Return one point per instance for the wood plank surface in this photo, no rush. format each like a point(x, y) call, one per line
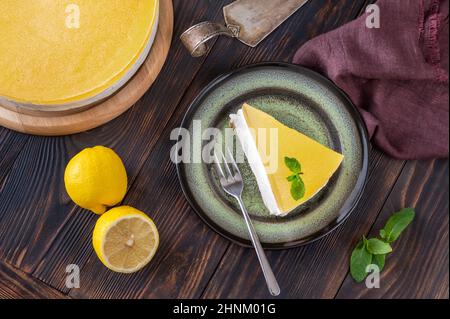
point(418, 266)
point(171, 284)
point(42, 231)
point(44, 207)
point(15, 284)
point(11, 143)
point(133, 136)
point(315, 270)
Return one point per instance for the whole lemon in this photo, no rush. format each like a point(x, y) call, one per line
point(96, 178)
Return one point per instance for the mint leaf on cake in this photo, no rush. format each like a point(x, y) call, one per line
point(297, 185)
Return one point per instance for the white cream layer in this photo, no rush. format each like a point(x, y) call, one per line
point(248, 144)
point(256, 164)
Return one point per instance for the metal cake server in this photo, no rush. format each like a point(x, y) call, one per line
point(250, 21)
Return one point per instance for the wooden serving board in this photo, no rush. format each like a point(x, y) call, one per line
point(64, 124)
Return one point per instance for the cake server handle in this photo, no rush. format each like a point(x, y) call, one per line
point(196, 37)
point(271, 281)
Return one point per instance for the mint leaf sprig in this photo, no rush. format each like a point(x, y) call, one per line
point(297, 185)
point(374, 250)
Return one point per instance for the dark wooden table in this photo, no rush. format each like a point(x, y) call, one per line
point(42, 231)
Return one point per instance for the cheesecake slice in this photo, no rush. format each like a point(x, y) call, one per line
point(266, 143)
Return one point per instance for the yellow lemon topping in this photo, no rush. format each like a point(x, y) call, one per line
point(96, 178)
point(56, 52)
point(125, 239)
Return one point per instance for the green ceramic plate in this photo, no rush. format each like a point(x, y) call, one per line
point(305, 101)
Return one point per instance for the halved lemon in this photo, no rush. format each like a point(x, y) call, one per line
point(125, 239)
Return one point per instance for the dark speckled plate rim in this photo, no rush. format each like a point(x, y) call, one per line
point(345, 211)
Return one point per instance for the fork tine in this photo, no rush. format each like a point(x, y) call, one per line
point(218, 167)
point(233, 162)
point(227, 167)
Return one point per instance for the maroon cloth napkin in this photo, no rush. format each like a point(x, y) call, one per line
point(396, 75)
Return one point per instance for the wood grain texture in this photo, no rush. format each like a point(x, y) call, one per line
point(315, 270)
point(42, 231)
point(418, 266)
point(15, 284)
point(188, 248)
point(65, 122)
point(133, 136)
point(42, 210)
point(28, 199)
point(169, 281)
point(11, 144)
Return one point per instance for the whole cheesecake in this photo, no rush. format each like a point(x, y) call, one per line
point(70, 54)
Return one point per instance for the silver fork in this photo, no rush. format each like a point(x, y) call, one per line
point(231, 181)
